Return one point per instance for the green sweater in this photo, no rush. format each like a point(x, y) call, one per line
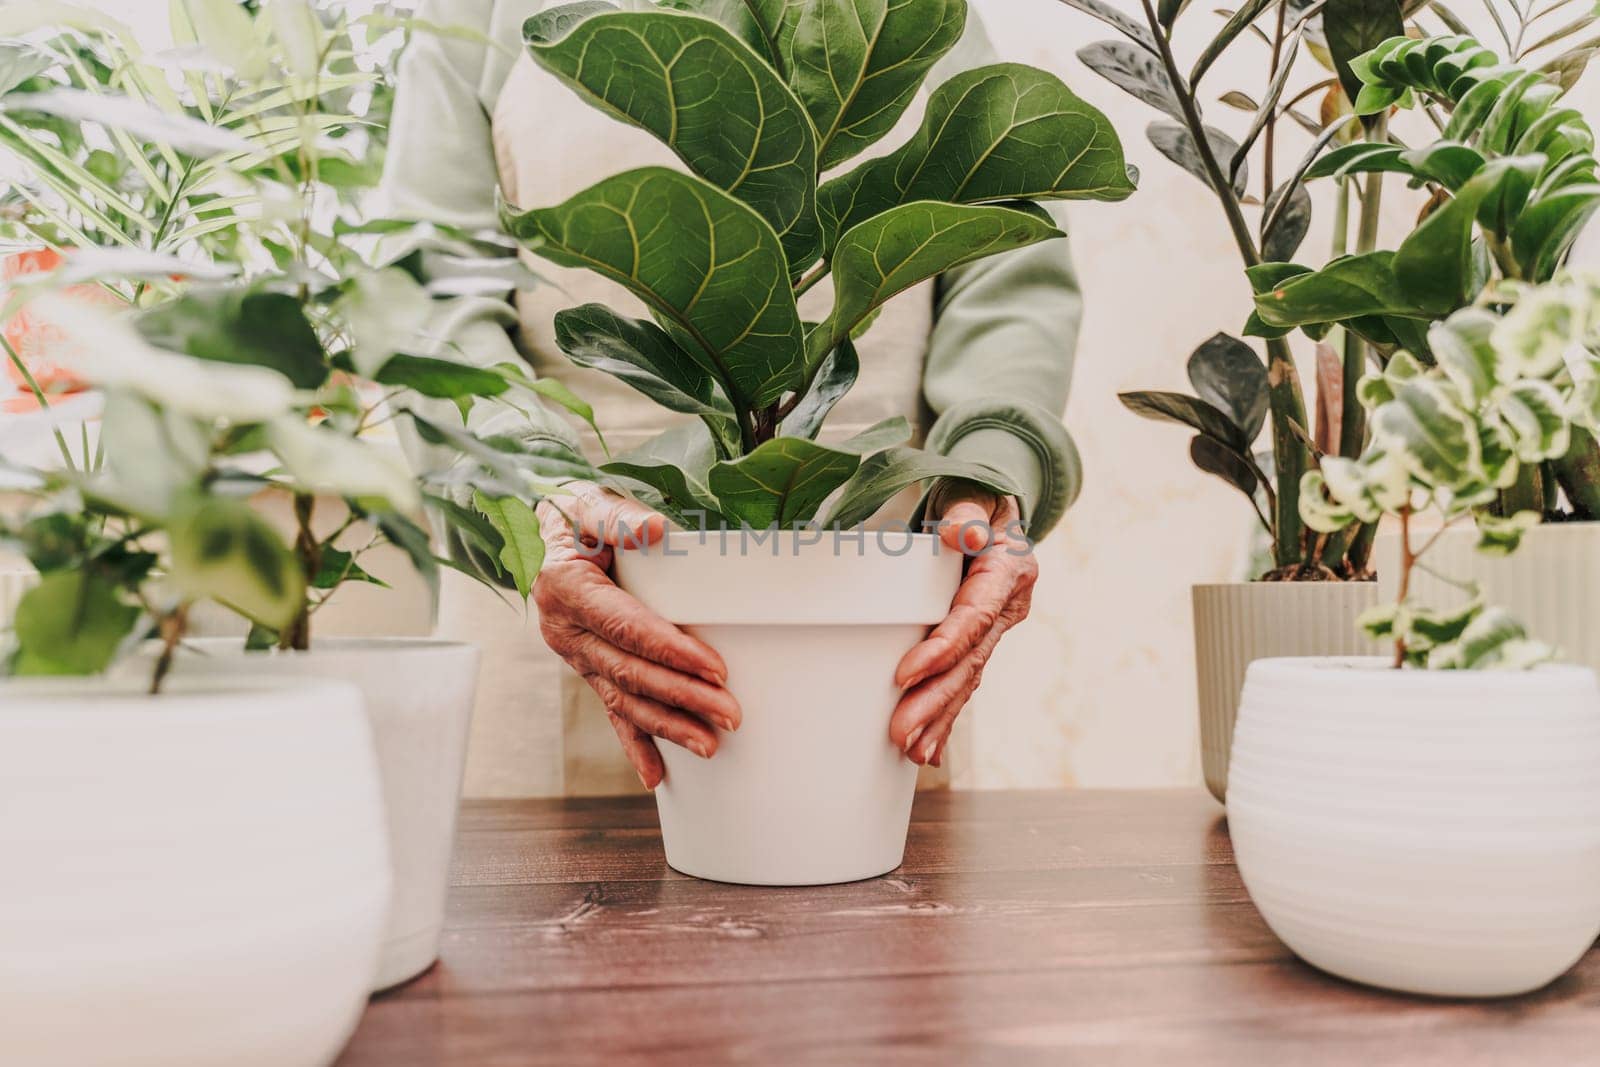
point(999, 358)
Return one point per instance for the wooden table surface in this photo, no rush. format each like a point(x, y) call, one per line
point(1050, 927)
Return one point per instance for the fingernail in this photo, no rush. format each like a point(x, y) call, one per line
point(912, 680)
point(911, 738)
point(699, 748)
point(929, 746)
point(645, 782)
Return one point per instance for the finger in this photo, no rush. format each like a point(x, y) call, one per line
point(923, 718)
point(912, 728)
point(966, 526)
point(589, 653)
point(640, 750)
point(607, 518)
point(990, 583)
point(587, 596)
point(655, 718)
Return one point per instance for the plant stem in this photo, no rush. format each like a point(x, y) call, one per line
point(1408, 560)
point(297, 635)
point(1268, 134)
point(38, 395)
point(172, 628)
point(1283, 380)
point(803, 286)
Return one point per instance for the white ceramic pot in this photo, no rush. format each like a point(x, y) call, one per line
point(189, 880)
point(809, 790)
point(418, 695)
point(1551, 583)
point(1236, 623)
point(1433, 832)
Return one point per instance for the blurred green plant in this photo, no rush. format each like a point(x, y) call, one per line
point(216, 192)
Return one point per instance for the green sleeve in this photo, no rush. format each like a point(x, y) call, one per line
point(1000, 357)
point(998, 372)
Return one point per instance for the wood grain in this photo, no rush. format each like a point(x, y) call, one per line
point(1083, 927)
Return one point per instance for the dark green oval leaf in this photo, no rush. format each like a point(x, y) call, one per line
point(705, 264)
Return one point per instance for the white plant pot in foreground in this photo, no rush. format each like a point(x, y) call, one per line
point(418, 696)
point(1428, 831)
point(1551, 583)
point(188, 880)
point(1236, 623)
point(809, 790)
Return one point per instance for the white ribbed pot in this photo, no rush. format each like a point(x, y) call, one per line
point(1238, 622)
point(193, 879)
point(1551, 583)
point(1433, 832)
point(809, 790)
point(418, 695)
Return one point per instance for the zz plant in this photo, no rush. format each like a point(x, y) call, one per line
point(1268, 214)
point(1496, 397)
point(758, 100)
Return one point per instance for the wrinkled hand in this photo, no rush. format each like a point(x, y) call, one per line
point(939, 675)
point(655, 680)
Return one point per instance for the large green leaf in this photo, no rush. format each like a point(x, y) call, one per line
point(701, 90)
point(1227, 373)
point(857, 64)
point(997, 133)
point(640, 354)
point(1435, 265)
point(228, 324)
point(222, 550)
point(522, 548)
point(705, 263)
point(891, 252)
point(1190, 411)
point(764, 25)
point(72, 622)
point(786, 479)
point(674, 466)
point(832, 381)
point(882, 476)
point(1346, 288)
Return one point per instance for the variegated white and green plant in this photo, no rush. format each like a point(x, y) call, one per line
point(215, 193)
point(758, 99)
point(1513, 178)
point(1508, 383)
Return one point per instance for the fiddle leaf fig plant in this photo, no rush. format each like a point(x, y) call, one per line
point(1450, 435)
point(758, 100)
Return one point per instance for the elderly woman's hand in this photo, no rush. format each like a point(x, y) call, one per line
point(939, 675)
point(655, 680)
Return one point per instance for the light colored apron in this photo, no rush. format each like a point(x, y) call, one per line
point(549, 145)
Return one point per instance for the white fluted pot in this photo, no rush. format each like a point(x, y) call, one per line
point(1551, 583)
point(189, 880)
point(809, 790)
point(1238, 622)
point(418, 695)
point(1433, 832)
